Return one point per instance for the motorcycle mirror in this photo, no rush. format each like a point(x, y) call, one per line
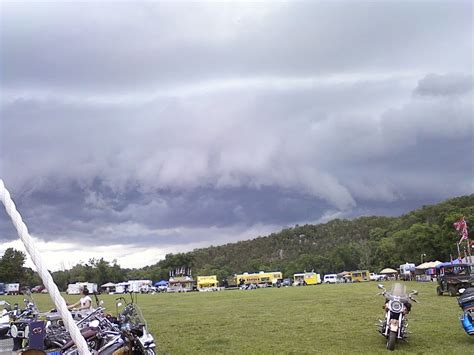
point(461, 290)
point(119, 304)
point(414, 292)
point(101, 302)
point(380, 286)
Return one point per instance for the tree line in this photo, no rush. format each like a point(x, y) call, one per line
point(371, 243)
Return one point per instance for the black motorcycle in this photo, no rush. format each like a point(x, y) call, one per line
point(397, 305)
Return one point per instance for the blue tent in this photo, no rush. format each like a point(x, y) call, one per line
point(449, 263)
point(161, 283)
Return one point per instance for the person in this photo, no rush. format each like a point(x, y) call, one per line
point(84, 304)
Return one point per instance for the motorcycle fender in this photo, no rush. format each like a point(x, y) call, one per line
point(394, 325)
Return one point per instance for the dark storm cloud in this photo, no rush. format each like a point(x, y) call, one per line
point(176, 125)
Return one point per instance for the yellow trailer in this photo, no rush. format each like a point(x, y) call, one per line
point(306, 278)
point(260, 278)
point(206, 282)
point(359, 275)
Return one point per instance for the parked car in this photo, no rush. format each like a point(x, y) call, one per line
point(286, 282)
point(330, 279)
point(376, 277)
point(37, 289)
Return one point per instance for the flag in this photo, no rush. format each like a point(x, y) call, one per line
point(464, 235)
point(461, 227)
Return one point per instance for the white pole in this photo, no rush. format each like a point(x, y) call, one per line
point(43, 271)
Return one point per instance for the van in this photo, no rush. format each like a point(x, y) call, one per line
point(330, 279)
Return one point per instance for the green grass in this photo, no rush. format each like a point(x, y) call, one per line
point(324, 319)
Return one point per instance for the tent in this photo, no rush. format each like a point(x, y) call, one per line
point(161, 283)
point(388, 271)
point(108, 284)
point(428, 265)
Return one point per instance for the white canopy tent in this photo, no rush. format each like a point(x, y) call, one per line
point(428, 265)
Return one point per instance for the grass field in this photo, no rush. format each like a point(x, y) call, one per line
point(325, 319)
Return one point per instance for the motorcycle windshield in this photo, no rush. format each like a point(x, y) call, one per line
point(137, 316)
point(398, 290)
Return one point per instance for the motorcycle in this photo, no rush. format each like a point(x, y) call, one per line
point(466, 302)
point(135, 329)
point(397, 305)
point(5, 320)
point(16, 323)
point(107, 335)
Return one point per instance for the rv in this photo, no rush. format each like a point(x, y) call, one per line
point(122, 287)
point(12, 289)
point(407, 271)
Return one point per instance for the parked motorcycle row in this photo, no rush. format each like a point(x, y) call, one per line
point(126, 333)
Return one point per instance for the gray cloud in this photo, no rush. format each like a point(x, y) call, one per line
point(181, 125)
point(442, 85)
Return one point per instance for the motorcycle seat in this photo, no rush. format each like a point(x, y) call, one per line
point(87, 333)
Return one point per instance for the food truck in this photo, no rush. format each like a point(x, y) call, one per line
point(306, 278)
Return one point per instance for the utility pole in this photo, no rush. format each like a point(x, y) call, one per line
point(422, 255)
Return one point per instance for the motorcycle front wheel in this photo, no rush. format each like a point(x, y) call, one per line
point(150, 352)
point(392, 338)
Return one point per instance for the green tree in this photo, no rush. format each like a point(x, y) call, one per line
point(11, 266)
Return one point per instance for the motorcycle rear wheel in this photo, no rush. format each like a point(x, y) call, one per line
point(392, 339)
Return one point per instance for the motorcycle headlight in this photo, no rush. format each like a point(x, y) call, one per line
point(396, 306)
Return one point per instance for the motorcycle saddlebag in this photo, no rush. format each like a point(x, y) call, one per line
point(466, 300)
point(467, 324)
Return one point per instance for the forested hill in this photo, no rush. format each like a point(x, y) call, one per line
point(363, 243)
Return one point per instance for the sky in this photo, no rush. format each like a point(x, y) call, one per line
point(134, 129)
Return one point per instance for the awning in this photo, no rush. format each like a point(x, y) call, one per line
point(428, 265)
point(388, 271)
point(108, 284)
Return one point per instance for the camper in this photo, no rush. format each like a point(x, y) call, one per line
point(139, 286)
point(76, 288)
point(122, 287)
point(12, 289)
point(261, 278)
point(2, 288)
point(306, 278)
point(407, 271)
